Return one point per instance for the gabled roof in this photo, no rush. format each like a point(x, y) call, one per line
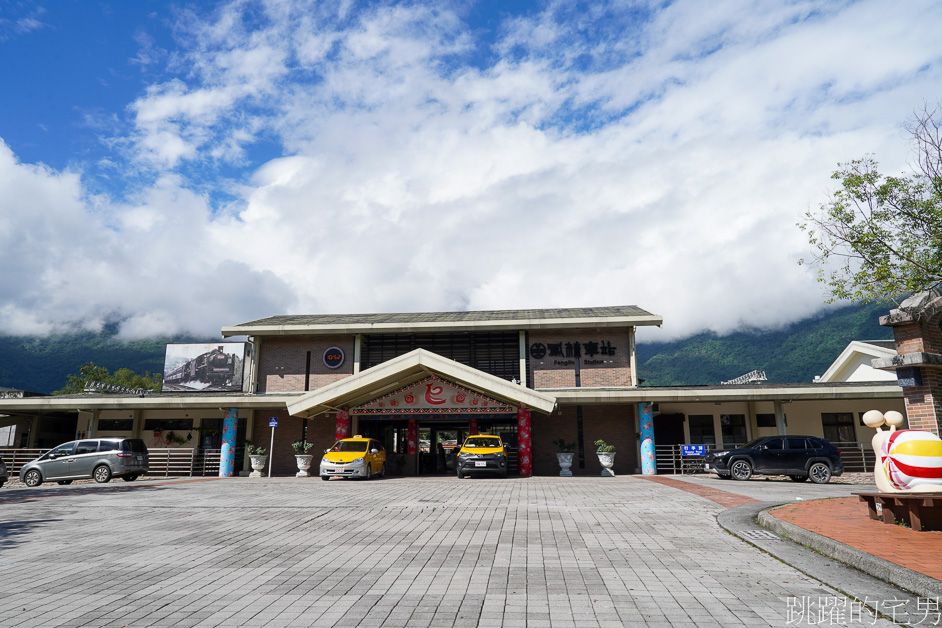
point(408, 369)
point(559, 318)
point(856, 355)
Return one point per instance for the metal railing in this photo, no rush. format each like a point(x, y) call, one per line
point(857, 458)
point(165, 461)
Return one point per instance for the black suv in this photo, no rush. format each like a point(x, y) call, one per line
point(798, 457)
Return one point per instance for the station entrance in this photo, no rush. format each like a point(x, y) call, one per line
point(438, 440)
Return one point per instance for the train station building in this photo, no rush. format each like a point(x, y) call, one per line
point(415, 380)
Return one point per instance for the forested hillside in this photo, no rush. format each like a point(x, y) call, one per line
point(41, 364)
point(794, 354)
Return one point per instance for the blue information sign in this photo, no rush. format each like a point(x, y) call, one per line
point(693, 450)
point(273, 422)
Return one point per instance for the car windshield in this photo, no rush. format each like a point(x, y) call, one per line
point(349, 445)
point(472, 443)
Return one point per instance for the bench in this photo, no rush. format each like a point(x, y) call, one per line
point(920, 511)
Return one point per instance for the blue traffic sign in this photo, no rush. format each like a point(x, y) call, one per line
point(273, 422)
point(693, 450)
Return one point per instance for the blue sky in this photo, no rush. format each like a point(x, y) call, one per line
point(180, 167)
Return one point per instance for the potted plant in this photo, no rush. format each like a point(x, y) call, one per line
point(304, 459)
point(606, 454)
point(564, 456)
point(258, 458)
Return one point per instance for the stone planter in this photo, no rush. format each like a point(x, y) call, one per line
point(304, 463)
point(607, 460)
point(565, 464)
point(258, 463)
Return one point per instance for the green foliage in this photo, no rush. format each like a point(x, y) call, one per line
point(91, 372)
point(603, 448)
point(880, 237)
point(795, 353)
point(301, 447)
point(564, 446)
point(254, 450)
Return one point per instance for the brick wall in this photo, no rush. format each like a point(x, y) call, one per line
point(282, 361)
point(615, 424)
point(559, 371)
point(923, 403)
point(320, 432)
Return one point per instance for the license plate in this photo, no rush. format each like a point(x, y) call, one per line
point(706, 467)
point(480, 463)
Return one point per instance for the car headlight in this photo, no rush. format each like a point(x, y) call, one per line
point(357, 461)
point(324, 460)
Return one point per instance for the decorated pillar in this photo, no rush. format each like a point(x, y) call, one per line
point(473, 426)
point(524, 457)
point(342, 425)
point(646, 419)
point(412, 443)
point(230, 426)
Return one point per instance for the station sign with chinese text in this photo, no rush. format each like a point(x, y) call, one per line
point(432, 395)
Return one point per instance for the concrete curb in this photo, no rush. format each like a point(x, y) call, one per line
point(897, 575)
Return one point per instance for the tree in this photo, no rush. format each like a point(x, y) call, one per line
point(883, 233)
point(91, 372)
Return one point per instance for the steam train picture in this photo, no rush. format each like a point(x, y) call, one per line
point(212, 370)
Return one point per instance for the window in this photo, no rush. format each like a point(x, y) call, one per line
point(86, 447)
point(774, 444)
point(797, 443)
point(734, 428)
point(168, 424)
point(765, 420)
point(115, 425)
point(108, 445)
point(838, 427)
point(701, 429)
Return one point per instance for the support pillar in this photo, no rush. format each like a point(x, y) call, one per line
point(472, 427)
point(412, 440)
point(230, 426)
point(780, 417)
point(524, 457)
point(646, 419)
point(342, 424)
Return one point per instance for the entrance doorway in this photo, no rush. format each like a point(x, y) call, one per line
point(439, 439)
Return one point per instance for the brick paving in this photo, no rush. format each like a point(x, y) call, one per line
point(293, 552)
point(845, 520)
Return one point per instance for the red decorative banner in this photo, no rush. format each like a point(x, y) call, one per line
point(342, 426)
point(525, 459)
point(412, 444)
point(432, 395)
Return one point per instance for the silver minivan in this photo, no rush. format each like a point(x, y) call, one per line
point(99, 458)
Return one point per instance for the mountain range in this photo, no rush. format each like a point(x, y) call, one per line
point(795, 353)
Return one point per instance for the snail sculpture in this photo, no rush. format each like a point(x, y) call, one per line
point(908, 461)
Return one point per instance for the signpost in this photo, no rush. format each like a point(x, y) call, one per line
point(272, 423)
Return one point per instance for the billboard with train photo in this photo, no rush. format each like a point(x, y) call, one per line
point(204, 367)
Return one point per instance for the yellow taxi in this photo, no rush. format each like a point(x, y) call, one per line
point(481, 453)
point(357, 457)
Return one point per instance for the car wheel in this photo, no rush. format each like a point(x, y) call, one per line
point(461, 476)
point(369, 470)
point(741, 470)
point(325, 477)
point(33, 478)
point(2, 482)
point(820, 473)
point(102, 474)
point(129, 478)
point(382, 472)
point(64, 482)
point(798, 478)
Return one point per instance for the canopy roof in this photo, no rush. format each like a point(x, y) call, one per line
point(408, 369)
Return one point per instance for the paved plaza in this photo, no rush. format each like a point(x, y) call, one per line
point(544, 551)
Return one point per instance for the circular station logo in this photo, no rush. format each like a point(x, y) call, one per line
point(537, 350)
point(333, 357)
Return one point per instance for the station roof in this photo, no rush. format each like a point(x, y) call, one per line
point(408, 369)
point(488, 320)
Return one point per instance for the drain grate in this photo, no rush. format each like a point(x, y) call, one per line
point(761, 535)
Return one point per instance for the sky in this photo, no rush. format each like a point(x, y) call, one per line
point(179, 167)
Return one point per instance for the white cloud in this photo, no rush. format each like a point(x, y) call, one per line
point(582, 159)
